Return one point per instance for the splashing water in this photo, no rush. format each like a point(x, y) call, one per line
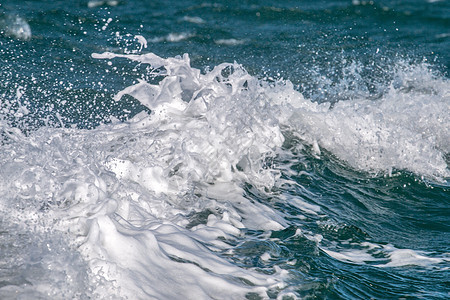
point(151, 207)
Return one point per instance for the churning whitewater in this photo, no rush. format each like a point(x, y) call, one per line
point(300, 149)
point(158, 206)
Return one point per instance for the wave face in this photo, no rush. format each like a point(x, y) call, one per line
point(126, 174)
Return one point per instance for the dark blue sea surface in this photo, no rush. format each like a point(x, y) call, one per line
point(225, 149)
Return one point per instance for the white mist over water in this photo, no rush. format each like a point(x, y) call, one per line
point(146, 208)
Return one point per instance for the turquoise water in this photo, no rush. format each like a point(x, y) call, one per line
point(298, 150)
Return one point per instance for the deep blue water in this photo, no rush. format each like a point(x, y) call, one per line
point(359, 182)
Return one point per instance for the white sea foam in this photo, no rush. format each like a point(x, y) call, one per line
point(407, 129)
point(386, 256)
point(131, 233)
point(97, 3)
point(229, 42)
point(127, 197)
point(127, 192)
point(195, 20)
point(15, 26)
point(142, 41)
point(172, 37)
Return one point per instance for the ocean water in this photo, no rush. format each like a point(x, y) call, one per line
point(224, 149)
